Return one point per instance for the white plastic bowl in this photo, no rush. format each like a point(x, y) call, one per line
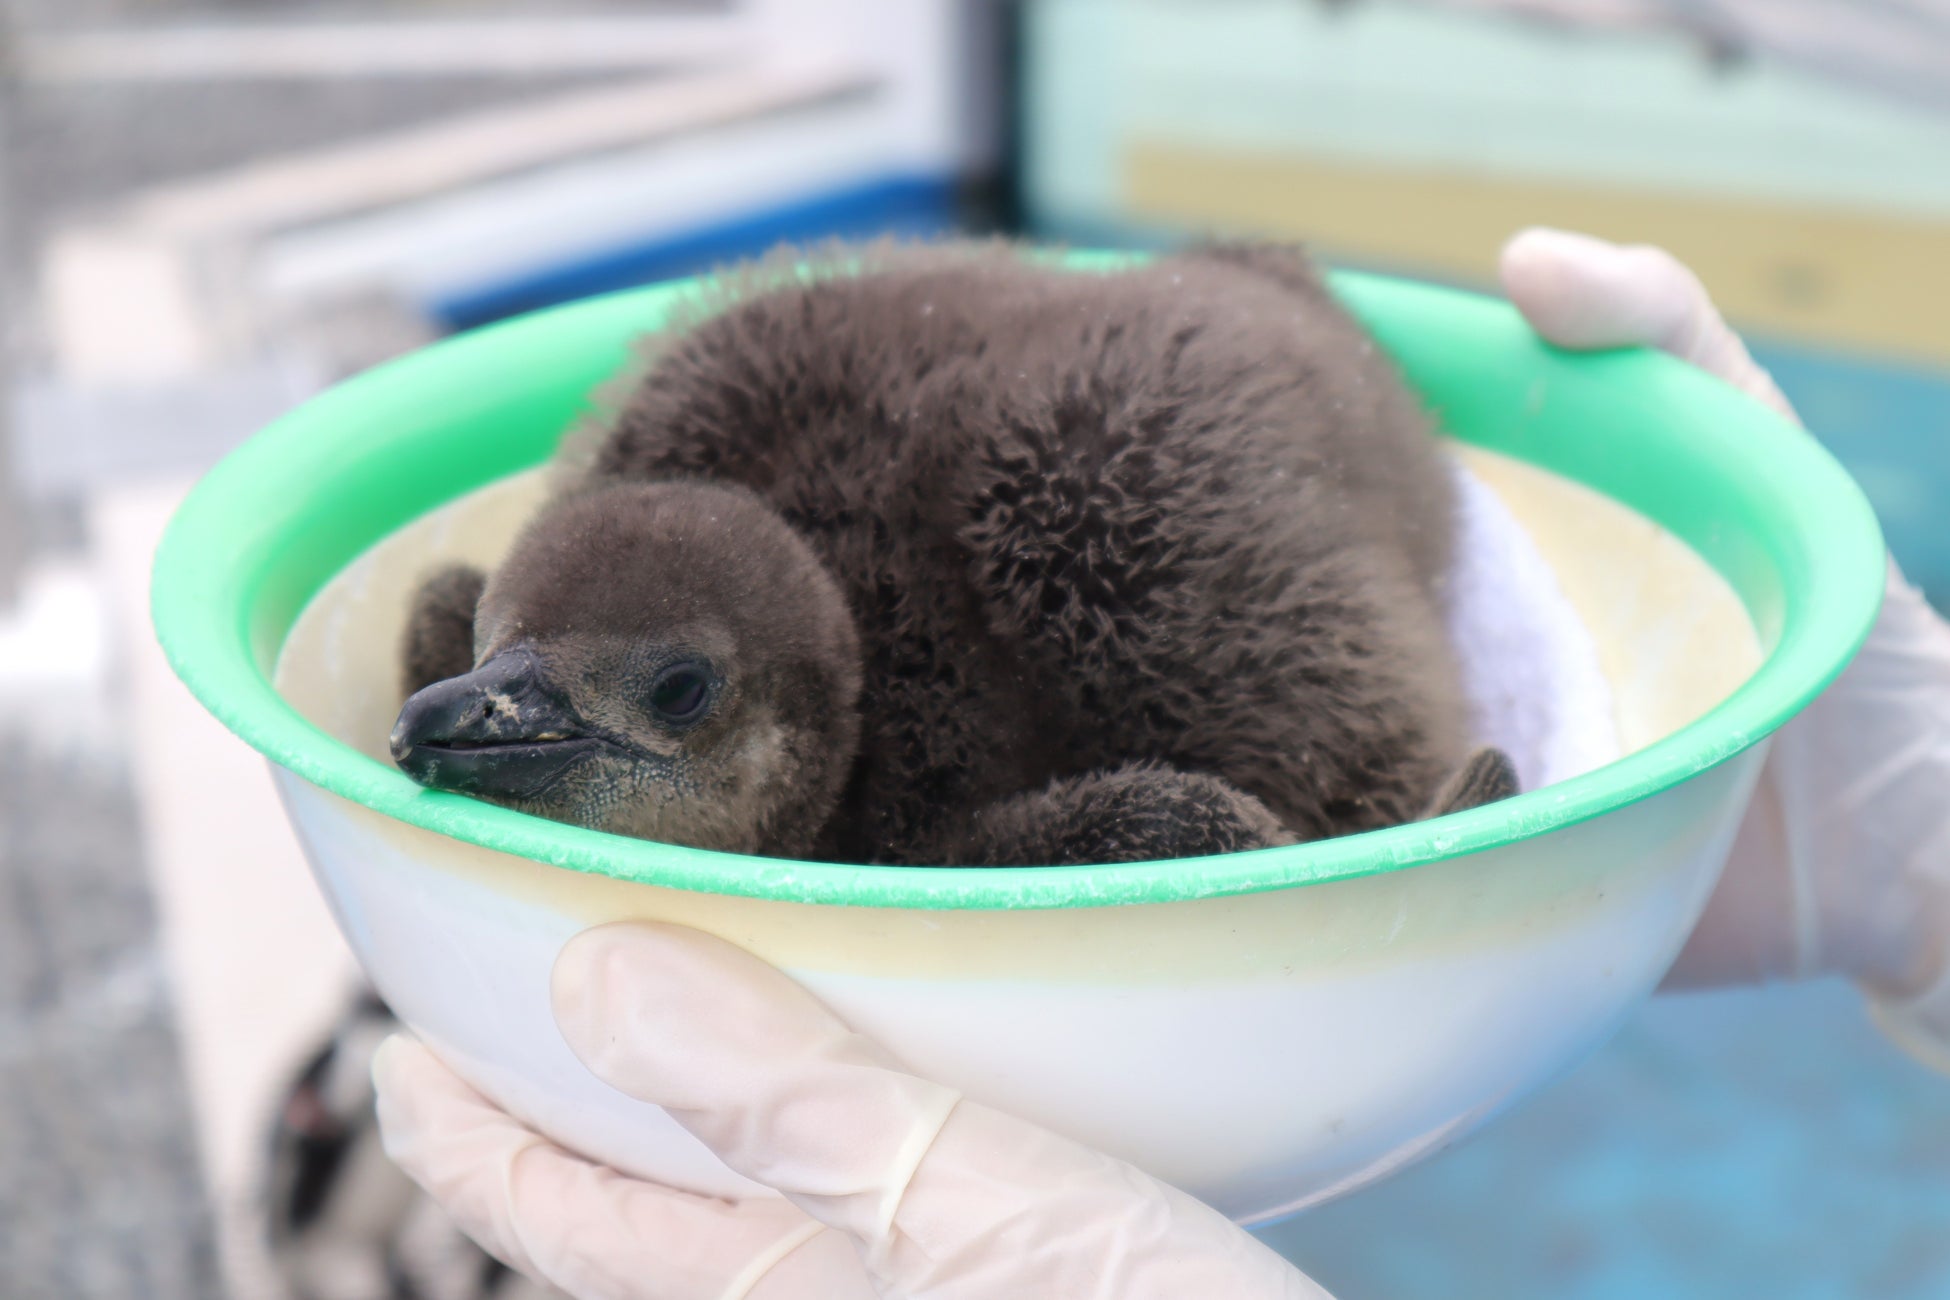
point(1265, 1030)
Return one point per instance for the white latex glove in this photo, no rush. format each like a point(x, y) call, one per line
point(895, 1186)
point(1842, 865)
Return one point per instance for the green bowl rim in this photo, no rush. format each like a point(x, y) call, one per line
point(207, 583)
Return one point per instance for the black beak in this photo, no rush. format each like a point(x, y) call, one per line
point(499, 730)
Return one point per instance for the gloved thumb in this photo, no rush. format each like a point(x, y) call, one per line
point(1581, 292)
point(751, 1063)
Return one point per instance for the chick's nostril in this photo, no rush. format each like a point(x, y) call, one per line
point(444, 713)
point(450, 733)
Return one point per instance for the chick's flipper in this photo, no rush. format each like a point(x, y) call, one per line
point(1140, 812)
point(439, 640)
point(1485, 777)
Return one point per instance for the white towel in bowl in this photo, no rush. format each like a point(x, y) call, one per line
point(1530, 666)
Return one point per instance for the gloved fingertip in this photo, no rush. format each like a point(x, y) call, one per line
point(395, 1061)
point(410, 1084)
point(612, 987)
point(1581, 292)
point(597, 964)
point(407, 1085)
point(1540, 271)
point(654, 1009)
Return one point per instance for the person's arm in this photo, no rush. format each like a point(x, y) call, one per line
point(1842, 865)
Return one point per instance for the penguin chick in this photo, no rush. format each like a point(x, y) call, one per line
point(705, 692)
point(1131, 565)
point(439, 640)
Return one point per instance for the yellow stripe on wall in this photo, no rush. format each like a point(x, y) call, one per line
point(1829, 277)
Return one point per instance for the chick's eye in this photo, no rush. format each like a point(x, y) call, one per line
point(680, 693)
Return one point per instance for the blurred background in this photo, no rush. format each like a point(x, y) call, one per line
point(210, 209)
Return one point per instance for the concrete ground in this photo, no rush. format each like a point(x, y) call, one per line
point(100, 1194)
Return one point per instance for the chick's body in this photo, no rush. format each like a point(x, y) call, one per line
point(1183, 515)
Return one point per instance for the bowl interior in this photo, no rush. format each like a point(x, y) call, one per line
point(1749, 494)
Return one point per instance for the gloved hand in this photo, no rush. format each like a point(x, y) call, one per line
point(895, 1186)
point(1842, 865)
